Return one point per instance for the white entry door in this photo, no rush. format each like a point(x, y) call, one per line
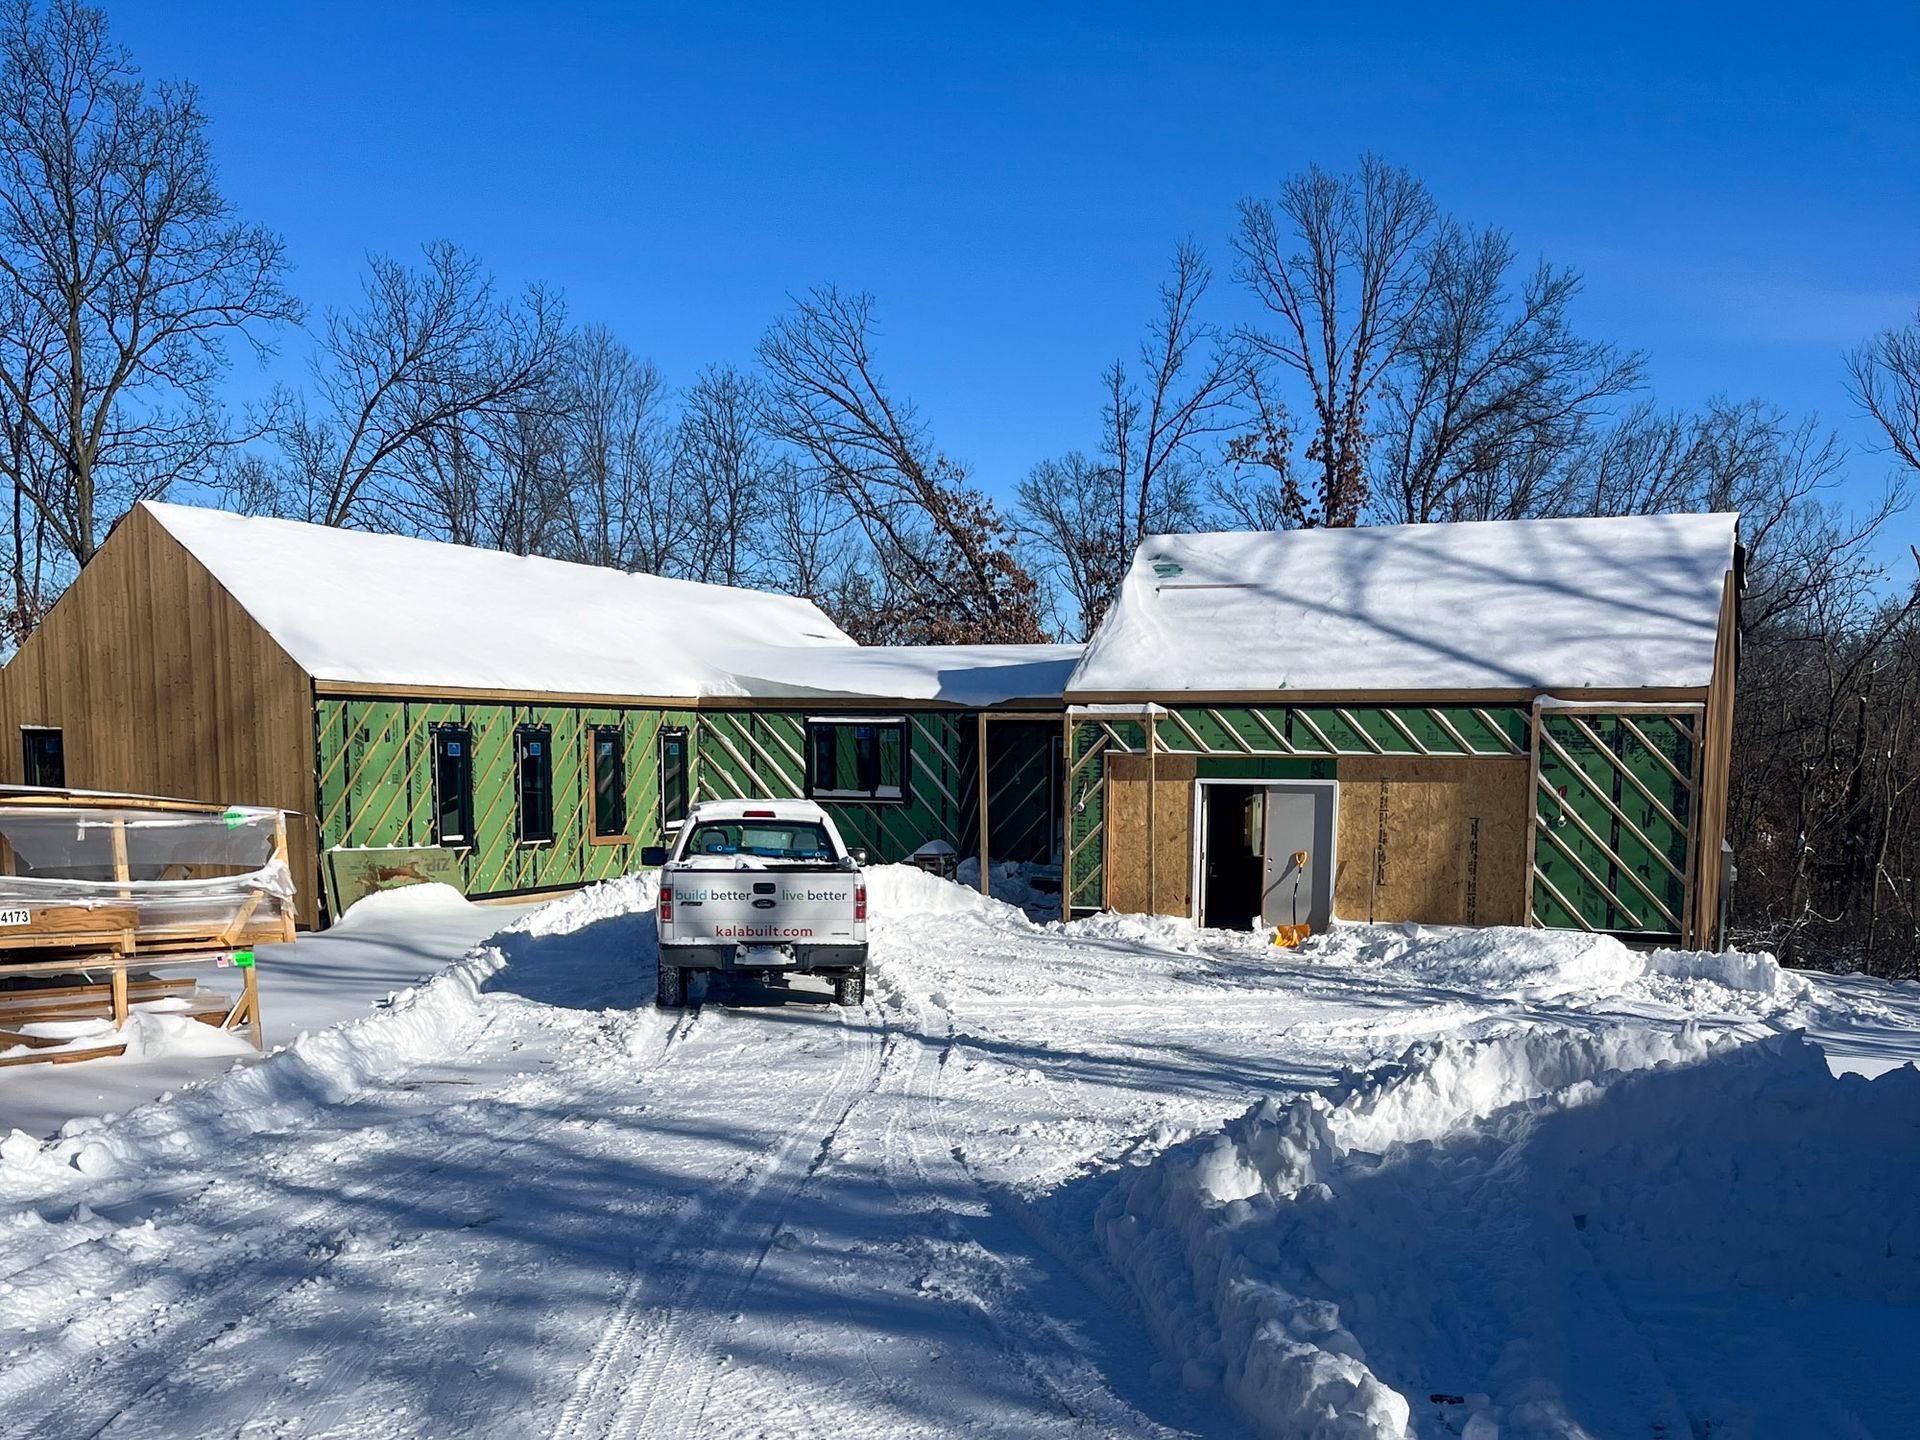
point(1298, 884)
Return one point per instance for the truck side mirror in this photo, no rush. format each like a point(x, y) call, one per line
point(653, 855)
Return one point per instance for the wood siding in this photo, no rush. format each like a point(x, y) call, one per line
point(161, 684)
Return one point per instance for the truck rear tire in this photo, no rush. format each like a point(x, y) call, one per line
point(850, 989)
point(671, 992)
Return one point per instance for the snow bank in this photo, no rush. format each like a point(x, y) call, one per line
point(1550, 1233)
point(905, 892)
point(385, 908)
point(1563, 964)
point(1019, 884)
point(415, 1025)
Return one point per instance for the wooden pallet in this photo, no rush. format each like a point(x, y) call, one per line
point(113, 997)
point(66, 1057)
point(100, 956)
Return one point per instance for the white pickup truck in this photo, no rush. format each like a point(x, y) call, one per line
point(762, 887)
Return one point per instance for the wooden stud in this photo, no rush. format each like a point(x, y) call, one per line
point(121, 871)
point(986, 886)
point(1533, 800)
point(1153, 837)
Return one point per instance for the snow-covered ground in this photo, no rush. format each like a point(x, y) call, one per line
point(383, 944)
point(1115, 1177)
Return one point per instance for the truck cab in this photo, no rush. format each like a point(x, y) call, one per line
point(761, 887)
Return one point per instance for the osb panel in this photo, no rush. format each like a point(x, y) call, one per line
point(1440, 842)
point(1127, 880)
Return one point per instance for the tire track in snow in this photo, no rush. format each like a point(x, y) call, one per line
point(586, 1092)
point(126, 1375)
point(1045, 1351)
point(674, 1334)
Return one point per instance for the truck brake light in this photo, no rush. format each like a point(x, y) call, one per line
point(756, 815)
point(859, 902)
point(666, 902)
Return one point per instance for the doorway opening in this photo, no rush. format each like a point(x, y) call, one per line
point(1266, 853)
point(1233, 857)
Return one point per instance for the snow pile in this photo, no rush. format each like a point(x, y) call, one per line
point(905, 893)
point(325, 1068)
point(151, 1033)
point(383, 908)
point(1563, 965)
point(1166, 932)
point(1034, 888)
point(1548, 1233)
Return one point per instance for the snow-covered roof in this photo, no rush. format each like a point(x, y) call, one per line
point(1615, 603)
point(357, 608)
point(974, 675)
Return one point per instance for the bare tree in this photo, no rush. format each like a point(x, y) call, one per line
point(723, 466)
point(427, 350)
point(1885, 376)
point(1491, 386)
point(1341, 261)
point(498, 480)
point(948, 564)
point(1081, 521)
point(807, 540)
point(1259, 489)
point(1778, 473)
point(1195, 380)
point(124, 274)
point(1067, 522)
point(623, 513)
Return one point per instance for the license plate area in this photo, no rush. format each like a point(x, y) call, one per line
point(762, 957)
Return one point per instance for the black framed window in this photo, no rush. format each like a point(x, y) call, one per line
point(858, 759)
point(452, 785)
point(675, 767)
point(44, 757)
point(609, 782)
point(533, 782)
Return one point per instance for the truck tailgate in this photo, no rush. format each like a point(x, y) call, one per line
point(760, 907)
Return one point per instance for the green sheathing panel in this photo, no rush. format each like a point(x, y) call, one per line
point(374, 760)
point(1023, 794)
point(1613, 811)
point(743, 754)
point(375, 767)
point(1090, 743)
point(1259, 742)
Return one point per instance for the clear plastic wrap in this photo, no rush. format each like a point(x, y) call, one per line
point(169, 874)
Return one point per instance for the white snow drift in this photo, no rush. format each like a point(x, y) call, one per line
point(1396, 1183)
point(1547, 1233)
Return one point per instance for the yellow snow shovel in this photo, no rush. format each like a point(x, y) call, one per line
point(1289, 936)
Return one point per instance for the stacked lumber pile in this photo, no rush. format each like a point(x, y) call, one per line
point(99, 893)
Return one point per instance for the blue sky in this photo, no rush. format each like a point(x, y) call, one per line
point(1739, 185)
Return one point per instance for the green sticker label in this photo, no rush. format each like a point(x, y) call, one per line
point(243, 958)
point(235, 818)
